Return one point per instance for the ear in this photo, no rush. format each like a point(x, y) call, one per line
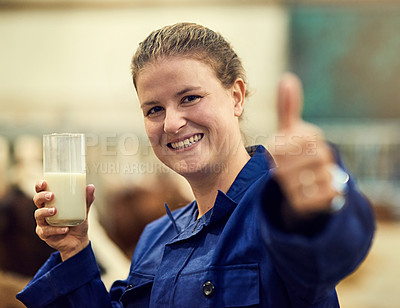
point(238, 94)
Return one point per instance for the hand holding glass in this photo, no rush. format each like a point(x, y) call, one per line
point(64, 168)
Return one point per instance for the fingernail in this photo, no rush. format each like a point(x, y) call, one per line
point(64, 230)
point(52, 210)
point(47, 196)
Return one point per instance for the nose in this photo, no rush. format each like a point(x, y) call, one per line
point(174, 121)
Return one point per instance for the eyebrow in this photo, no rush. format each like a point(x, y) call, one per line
point(177, 94)
point(185, 90)
point(146, 104)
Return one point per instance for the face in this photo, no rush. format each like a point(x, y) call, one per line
point(190, 118)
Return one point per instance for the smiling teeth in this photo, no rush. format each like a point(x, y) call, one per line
point(187, 142)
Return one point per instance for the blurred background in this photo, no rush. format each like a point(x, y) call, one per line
point(65, 67)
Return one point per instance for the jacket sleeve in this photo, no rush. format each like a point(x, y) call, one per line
point(312, 262)
point(73, 283)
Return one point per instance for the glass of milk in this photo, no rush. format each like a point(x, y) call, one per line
point(64, 168)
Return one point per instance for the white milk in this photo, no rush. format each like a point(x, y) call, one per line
point(69, 191)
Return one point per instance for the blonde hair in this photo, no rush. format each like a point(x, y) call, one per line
point(194, 41)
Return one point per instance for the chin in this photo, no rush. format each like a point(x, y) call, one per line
point(195, 169)
point(185, 169)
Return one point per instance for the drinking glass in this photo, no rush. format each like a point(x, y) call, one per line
point(64, 170)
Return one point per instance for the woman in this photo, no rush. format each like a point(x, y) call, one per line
point(256, 235)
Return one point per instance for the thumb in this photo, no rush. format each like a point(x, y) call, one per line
point(89, 195)
point(290, 101)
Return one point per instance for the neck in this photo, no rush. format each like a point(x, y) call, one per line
point(205, 186)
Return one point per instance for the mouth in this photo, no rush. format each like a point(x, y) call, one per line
point(182, 144)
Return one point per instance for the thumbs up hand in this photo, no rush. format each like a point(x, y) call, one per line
point(304, 160)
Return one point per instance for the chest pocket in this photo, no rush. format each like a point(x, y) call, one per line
point(219, 286)
point(137, 293)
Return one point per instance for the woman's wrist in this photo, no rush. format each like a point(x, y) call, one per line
point(72, 252)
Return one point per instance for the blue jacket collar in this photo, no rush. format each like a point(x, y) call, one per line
point(259, 164)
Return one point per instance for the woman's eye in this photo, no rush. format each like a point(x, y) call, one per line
point(154, 110)
point(191, 98)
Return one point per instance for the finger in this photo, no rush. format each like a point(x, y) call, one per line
point(316, 202)
point(90, 195)
point(46, 232)
point(290, 101)
point(40, 185)
point(42, 214)
point(42, 197)
point(306, 156)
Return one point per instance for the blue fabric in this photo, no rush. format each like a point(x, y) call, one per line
point(236, 247)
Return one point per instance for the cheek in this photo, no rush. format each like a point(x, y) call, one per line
point(153, 131)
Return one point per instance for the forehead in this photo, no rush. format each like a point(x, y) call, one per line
point(173, 72)
point(177, 62)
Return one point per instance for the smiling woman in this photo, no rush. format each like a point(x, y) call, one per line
point(183, 101)
point(261, 232)
point(191, 87)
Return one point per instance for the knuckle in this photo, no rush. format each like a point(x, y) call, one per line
point(38, 199)
point(35, 199)
point(38, 185)
point(39, 232)
point(36, 215)
point(45, 232)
